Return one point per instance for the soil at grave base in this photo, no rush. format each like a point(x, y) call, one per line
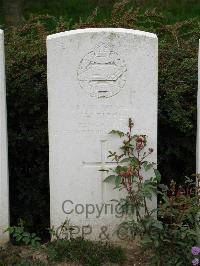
point(134, 257)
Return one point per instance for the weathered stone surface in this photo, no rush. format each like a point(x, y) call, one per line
point(4, 214)
point(97, 79)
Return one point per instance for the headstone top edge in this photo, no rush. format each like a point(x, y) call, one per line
point(96, 30)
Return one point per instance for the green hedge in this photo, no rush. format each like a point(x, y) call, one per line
point(27, 103)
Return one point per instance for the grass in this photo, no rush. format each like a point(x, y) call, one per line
point(84, 252)
point(77, 251)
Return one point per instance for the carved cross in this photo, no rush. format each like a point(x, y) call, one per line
point(103, 164)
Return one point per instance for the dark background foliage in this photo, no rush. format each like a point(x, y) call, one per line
point(14, 11)
point(27, 102)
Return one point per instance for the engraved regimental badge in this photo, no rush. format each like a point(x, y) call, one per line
point(101, 72)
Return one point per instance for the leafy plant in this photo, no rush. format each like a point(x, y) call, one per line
point(129, 174)
point(175, 229)
point(178, 209)
point(21, 236)
point(64, 231)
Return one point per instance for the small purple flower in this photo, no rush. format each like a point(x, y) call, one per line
point(195, 262)
point(195, 251)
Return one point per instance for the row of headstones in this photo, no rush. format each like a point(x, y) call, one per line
point(97, 79)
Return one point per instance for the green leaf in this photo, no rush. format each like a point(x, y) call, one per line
point(163, 187)
point(26, 240)
point(10, 230)
point(125, 160)
point(26, 234)
point(148, 166)
point(117, 180)
point(111, 154)
point(18, 230)
point(109, 178)
point(146, 240)
point(157, 174)
point(117, 132)
point(158, 225)
point(16, 234)
point(119, 169)
point(18, 238)
point(144, 163)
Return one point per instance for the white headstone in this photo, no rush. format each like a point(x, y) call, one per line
point(97, 79)
point(4, 214)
